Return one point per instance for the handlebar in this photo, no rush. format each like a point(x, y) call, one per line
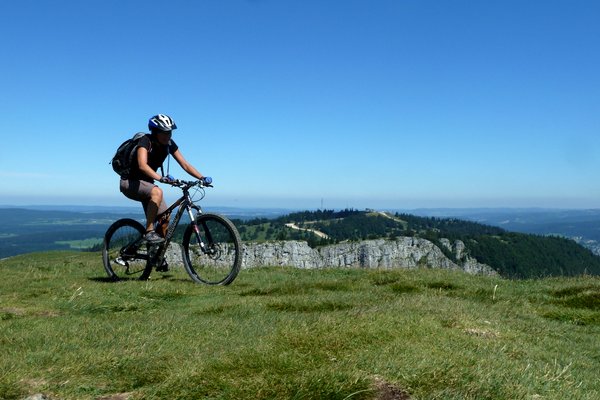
point(188, 184)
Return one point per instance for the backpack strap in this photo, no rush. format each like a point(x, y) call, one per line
point(162, 170)
point(168, 157)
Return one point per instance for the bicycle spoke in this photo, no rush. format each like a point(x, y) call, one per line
point(219, 261)
point(124, 253)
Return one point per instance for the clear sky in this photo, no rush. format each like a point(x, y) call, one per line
point(299, 104)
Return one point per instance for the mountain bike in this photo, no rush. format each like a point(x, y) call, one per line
point(211, 245)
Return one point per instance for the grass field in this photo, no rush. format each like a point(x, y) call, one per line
point(279, 333)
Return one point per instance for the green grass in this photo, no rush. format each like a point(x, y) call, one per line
point(279, 333)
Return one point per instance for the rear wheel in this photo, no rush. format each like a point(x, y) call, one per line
point(218, 261)
point(124, 251)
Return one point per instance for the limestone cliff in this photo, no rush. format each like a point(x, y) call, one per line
point(404, 252)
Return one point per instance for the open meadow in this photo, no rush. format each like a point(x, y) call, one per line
point(280, 333)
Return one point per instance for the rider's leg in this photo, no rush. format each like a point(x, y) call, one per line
point(163, 225)
point(151, 197)
point(156, 200)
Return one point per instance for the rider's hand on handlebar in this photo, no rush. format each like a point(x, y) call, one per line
point(206, 181)
point(167, 179)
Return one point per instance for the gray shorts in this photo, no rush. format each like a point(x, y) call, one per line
point(140, 191)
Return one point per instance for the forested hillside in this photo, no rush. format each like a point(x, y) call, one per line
point(512, 254)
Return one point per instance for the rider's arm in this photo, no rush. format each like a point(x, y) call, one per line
point(187, 167)
point(142, 159)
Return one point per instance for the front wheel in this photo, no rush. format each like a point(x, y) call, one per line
point(124, 252)
point(212, 250)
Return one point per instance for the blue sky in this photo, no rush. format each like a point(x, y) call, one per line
point(298, 104)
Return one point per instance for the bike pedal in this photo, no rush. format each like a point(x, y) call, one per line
point(163, 267)
point(121, 262)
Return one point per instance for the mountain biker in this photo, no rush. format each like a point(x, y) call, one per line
point(139, 184)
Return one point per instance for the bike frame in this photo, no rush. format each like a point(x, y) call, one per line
point(185, 203)
point(208, 235)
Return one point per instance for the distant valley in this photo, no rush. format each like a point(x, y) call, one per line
point(42, 228)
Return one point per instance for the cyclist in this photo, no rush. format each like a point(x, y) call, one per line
point(139, 184)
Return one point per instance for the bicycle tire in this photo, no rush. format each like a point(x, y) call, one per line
point(121, 262)
point(220, 263)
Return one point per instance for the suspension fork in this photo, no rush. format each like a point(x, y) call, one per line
point(195, 226)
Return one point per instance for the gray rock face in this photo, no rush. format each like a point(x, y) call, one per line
point(38, 396)
point(404, 252)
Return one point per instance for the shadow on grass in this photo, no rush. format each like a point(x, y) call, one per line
point(111, 309)
point(441, 286)
point(155, 277)
point(214, 310)
point(575, 317)
point(587, 297)
point(105, 279)
point(308, 307)
point(283, 290)
point(577, 305)
point(287, 289)
point(402, 288)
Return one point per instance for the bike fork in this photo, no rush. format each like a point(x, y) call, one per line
point(196, 230)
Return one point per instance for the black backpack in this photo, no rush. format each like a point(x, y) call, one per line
point(123, 158)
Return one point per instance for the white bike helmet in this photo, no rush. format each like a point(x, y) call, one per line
point(161, 122)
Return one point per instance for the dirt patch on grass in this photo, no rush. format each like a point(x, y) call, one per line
point(117, 396)
point(484, 333)
point(12, 311)
point(19, 312)
point(388, 391)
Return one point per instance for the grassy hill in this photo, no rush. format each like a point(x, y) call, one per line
point(294, 334)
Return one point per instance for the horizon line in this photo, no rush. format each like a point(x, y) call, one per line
point(25, 206)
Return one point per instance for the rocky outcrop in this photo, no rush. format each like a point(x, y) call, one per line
point(404, 252)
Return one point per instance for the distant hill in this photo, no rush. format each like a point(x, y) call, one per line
point(512, 254)
point(583, 226)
